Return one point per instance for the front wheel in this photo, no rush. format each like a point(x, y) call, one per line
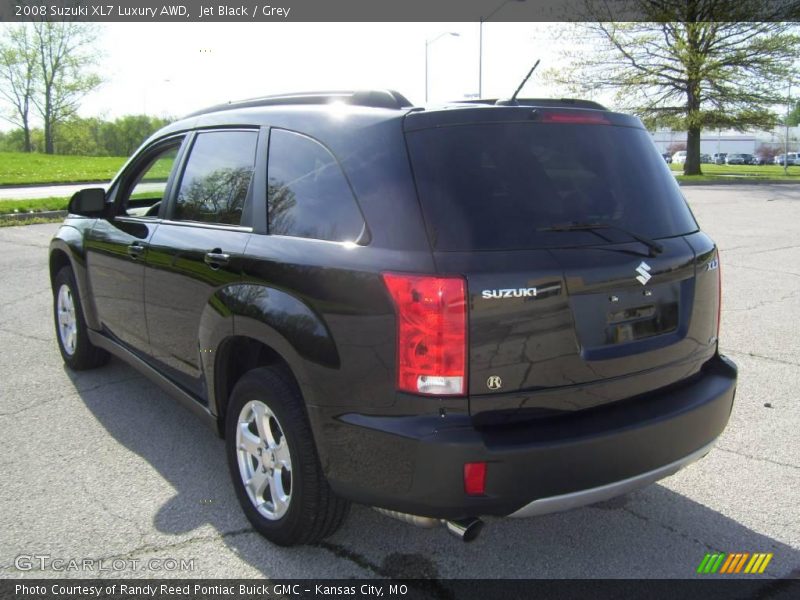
point(72, 333)
point(274, 464)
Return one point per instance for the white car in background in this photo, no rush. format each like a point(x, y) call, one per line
point(679, 157)
point(792, 158)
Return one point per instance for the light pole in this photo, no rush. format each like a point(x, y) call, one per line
point(786, 140)
point(480, 42)
point(427, 45)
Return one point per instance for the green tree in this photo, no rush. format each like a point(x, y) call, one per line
point(793, 120)
point(18, 77)
point(79, 136)
point(693, 64)
point(122, 136)
point(66, 54)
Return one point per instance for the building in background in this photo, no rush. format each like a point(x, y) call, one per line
point(714, 141)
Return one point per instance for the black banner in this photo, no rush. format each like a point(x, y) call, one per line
point(391, 10)
point(407, 589)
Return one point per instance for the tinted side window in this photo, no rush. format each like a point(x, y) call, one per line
point(143, 193)
point(217, 177)
point(308, 193)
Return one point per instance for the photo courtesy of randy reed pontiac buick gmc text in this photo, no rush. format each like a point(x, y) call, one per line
point(151, 590)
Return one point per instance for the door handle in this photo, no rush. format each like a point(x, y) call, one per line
point(217, 258)
point(135, 250)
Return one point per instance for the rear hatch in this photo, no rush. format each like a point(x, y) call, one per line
point(588, 281)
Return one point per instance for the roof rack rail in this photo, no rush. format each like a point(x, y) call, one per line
point(545, 102)
point(369, 98)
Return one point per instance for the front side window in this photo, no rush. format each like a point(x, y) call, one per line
point(144, 192)
point(308, 193)
point(215, 183)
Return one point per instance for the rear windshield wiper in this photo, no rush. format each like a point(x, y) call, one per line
point(654, 246)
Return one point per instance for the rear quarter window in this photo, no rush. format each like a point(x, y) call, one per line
point(308, 194)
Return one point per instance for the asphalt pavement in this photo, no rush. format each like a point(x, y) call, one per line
point(103, 465)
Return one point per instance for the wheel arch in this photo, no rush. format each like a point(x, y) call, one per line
point(58, 260)
point(235, 356)
point(66, 250)
point(251, 325)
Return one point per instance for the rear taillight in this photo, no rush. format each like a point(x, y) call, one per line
point(431, 333)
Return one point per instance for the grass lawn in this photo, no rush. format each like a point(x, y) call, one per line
point(41, 204)
point(23, 168)
point(33, 205)
point(734, 172)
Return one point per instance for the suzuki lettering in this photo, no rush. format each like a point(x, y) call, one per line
point(518, 293)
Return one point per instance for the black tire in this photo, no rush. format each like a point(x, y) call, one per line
point(314, 511)
point(81, 353)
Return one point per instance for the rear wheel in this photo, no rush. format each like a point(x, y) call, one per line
point(274, 464)
point(71, 331)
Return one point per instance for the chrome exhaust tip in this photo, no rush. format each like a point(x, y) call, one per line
point(464, 529)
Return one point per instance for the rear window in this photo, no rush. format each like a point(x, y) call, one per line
point(492, 186)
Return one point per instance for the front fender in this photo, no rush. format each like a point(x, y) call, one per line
point(68, 241)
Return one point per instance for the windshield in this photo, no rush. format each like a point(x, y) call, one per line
point(492, 186)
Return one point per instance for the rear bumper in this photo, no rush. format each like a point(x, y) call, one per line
point(543, 506)
point(414, 464)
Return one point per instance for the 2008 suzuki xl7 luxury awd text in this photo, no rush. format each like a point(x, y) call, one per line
point(475, 309)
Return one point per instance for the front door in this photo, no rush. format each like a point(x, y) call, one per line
point(117, 246)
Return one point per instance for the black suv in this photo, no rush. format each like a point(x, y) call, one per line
point(478, 309)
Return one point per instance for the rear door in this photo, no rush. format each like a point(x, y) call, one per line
point(555, 315)
point(198, 249)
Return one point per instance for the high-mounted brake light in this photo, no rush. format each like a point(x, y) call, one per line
point(573, 118)
point(431, 333)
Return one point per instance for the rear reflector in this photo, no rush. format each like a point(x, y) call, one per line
point(431, 333)
point(573, 118)
point(475, 478)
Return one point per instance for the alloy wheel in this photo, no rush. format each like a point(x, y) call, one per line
point(265, 463)
point(67, 322)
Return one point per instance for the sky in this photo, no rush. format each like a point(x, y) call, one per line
point(170, 69)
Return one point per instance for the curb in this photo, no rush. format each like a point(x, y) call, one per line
point(742, 181)
point(27, 216)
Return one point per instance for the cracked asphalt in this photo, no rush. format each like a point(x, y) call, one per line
point(103, 465)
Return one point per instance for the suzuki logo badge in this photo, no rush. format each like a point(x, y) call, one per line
point(644, 273)
point(494, 382)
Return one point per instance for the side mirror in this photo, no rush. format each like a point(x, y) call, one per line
point(89, 202)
